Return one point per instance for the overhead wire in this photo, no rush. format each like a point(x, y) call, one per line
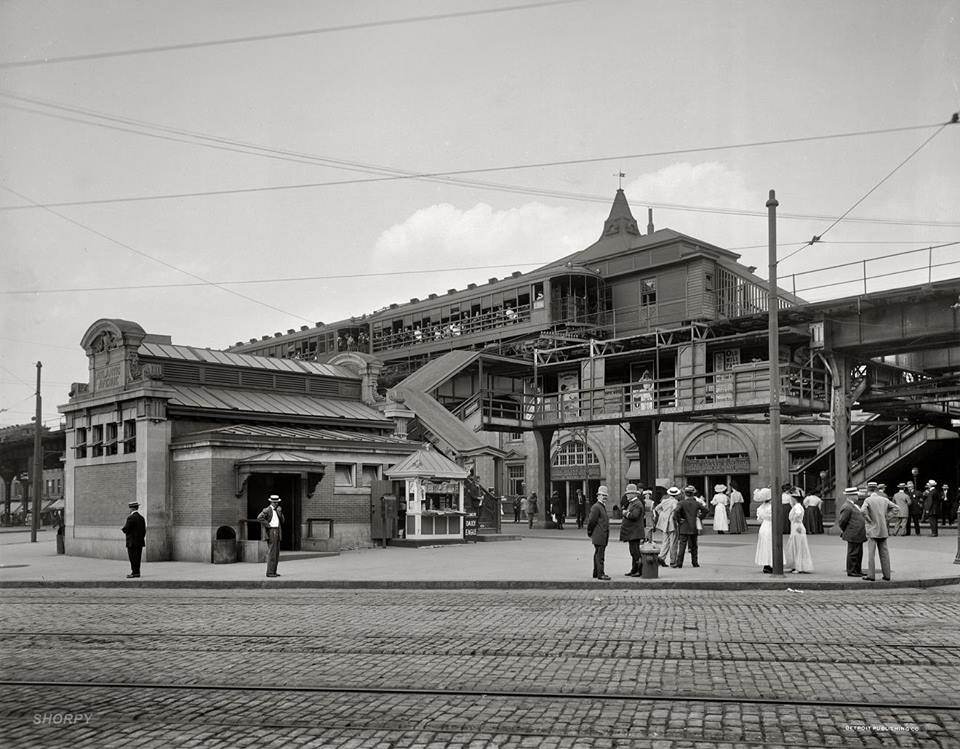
point(388, 174)
point(954, 119)
point(277, 35)
point(156, 259)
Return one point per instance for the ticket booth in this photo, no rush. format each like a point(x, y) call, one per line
point(434, 492)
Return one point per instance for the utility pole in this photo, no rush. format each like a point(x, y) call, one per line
point(37, 464)
point(773, 353)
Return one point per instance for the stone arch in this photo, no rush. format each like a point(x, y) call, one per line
point(563, 439)
point(717, 438)
point(106, 334)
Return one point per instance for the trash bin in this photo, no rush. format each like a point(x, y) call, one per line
point(650, 565)
point(225, 545)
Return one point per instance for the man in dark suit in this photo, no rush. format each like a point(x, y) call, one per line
point(598, 528)
point(271, 520)
point(135, 529)
point(931, 506)
point(853, 529)
point(685, 517)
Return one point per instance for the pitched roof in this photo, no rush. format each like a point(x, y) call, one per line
point(274, 431)
point(437, 371)
point(426, 464)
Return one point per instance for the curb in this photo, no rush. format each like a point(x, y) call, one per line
point(720, 585)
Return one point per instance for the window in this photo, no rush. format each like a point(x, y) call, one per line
point(515, 479)
point(515, 436)
point(129, 436)
point(343, 475)
point(110, 442)
point(369, 474)
point(80, 443)
point(96, 441)
point(648, 292)
point(575, 453)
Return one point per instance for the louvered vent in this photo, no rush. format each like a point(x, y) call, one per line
point(350, 389)
point(181, 372)
point(257, 379)
point(221, 376)
point(294, 383)
point(324, 387)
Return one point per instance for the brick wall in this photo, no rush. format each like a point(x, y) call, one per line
point(225, 506)
point(191, 482)
point(105, 490)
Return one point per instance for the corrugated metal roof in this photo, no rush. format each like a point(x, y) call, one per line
point(437, 371)
point(428, 464)
point(258, 401)
point(215, 356)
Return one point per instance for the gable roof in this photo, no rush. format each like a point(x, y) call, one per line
point(426, 464)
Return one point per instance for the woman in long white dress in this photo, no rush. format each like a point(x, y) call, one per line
point(720, 501)
point(764, 555)
point(796, 551)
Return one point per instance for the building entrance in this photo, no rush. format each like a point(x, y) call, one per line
point(705, 483)
point(287, 486)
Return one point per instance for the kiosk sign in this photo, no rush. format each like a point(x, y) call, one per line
point(470, 527)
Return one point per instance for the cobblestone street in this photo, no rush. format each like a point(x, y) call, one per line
point(359, 668)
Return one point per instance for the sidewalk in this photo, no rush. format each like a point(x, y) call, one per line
point(539, 559)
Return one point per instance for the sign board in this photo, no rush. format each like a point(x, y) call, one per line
point(470, 527)
point(106, 378)
point(703, 466)
point(723, 388)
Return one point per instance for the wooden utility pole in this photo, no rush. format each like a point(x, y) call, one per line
point(37, 463)
point(773, 351)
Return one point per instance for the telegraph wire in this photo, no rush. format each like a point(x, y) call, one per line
point(954, 119)
point(388, 174)
point(277, 35)
point(15, 376)
point(871, 259)
point(155, 259)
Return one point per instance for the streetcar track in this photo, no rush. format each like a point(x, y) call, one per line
point(496, 693)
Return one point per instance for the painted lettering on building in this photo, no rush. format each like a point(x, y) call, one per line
point(108, 377)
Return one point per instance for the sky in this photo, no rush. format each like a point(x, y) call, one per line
point(315, 134)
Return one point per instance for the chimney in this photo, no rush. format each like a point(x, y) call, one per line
point(649, 220)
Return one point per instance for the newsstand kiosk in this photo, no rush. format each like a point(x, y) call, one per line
point(433, 489)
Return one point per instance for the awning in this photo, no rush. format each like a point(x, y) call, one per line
point(633, 471)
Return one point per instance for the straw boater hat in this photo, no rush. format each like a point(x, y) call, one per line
point(650, 491)
point(274, 498)
point(720, 488)
point(851, 491)
point(931, 482)
point(631, 489)
point(673, 491)
point(133, 503)
point(689, 489)
point(901, 485)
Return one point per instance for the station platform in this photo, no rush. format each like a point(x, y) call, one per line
point(536, 558)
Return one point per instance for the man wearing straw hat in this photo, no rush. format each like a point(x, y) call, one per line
point(271, 520)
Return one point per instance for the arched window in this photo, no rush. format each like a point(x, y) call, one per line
point(575, 453)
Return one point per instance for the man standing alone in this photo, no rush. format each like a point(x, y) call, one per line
point(875, 509)
point(931, 507)
point(135, 529)
point(598, 528)
point(271, 520)
point(668, 526)
point(902, 501)
point(853, 531)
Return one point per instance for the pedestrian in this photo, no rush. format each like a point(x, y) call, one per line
point(135, 530)
point(853, 530)
point(598, 528)
point(647, 515)
point(902, 500)
point(687, 515)
point(532, 509)
point(875, 509)
point(786, 495)
point(516, 509)
point(946, 506)
point(559, 510)
point(271, 520)
point(764, 554)
point(631, 529)
point(931, 507)
point(738, 518)
point(581, 501)
point(720, 501)
point(812, 514)
point(668, 526)
point(915, 508)
point(402, 518)
point(796, 551)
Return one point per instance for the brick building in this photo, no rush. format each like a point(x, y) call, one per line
point(202, 437)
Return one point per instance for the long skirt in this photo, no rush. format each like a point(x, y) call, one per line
point(813, 520)
point(764, 555)
point(796, 551)
point(720, 522)
point(738, 523)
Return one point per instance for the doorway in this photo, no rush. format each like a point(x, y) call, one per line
point(705, 483)
point(287, 486)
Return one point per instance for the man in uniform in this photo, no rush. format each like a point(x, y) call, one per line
point(271, 520)
point(598, 528)
point(135, 529)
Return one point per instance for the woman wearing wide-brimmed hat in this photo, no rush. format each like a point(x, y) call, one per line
point(720, 501)
point(764, 555)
